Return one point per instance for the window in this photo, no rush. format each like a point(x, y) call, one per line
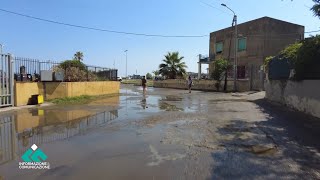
point(219, 47)
point(242, 44)
point(241, 71)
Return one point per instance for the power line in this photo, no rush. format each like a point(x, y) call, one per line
point(103, 30)
point(312, 31)
point(214, 7)
point(123, 32)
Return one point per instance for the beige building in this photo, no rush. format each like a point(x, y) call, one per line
point(257, 39)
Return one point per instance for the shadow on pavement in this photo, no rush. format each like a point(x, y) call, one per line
point(284, 145)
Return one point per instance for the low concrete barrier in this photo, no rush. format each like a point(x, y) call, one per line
point(203, 85)
point(53, 90)
point(301, 95)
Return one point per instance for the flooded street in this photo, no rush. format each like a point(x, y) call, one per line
point(166, 134)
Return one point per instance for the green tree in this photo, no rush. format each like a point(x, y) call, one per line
point(220, 67)
point(149, 76)
point(316, 8)
point(78, 56)
point(156, 73)
point(173, 66)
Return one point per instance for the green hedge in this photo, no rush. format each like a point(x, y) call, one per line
point(304, 57)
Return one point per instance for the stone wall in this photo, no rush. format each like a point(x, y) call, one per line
point(301, 95)
point(202, 85)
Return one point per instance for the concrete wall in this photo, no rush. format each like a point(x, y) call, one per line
point(53, 90)
point(203, 85)
point(301, 95)
point(24, 91)
point(93, 88)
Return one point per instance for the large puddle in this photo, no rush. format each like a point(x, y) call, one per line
point(100, 128)
point(165, 134)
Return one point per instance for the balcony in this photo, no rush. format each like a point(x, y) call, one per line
point(207, 59)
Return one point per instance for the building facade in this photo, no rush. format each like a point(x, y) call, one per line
point(257, 39)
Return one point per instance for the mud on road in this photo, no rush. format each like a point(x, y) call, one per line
point(166, 134)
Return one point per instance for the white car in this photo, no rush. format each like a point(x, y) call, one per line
point(119, 79)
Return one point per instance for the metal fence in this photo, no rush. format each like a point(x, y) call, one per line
point(6, 80)
point(33, 68)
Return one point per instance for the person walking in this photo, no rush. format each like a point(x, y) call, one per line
point(144, 84)
point(189, 83)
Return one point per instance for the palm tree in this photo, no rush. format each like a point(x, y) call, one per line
point(172, 66)
point(156, 73)
point(316, 8)
point(78, 56)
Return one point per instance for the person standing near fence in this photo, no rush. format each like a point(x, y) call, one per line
point(144, 84)
point(189, 83)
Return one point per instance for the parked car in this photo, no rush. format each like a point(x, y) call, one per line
point(119, 79)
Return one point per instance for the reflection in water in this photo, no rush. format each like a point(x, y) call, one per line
point(169, 107)
point(144, 102)
point(7, 139)
point(172, 98)
point(18, 132)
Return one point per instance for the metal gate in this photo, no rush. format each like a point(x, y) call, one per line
point(257, 77)
point(6, 80)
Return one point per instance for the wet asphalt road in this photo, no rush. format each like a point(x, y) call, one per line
point(166, 134)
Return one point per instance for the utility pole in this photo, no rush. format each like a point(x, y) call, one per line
point(126, 51)
point(235, 54)
point(235, 62)
point(199, 67)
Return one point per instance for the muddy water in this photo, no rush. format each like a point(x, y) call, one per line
point(165, 134)
point(100, 137)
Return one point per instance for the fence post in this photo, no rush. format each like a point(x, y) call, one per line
point(11, 61)
point(39, 67)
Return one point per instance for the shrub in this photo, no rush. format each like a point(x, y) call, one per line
point(266, 62)
point(307, 62)
point(304, 57)
point(75, 71)
point(72, 63)
point(148, 76)
point(291, 52)
point(220, 67)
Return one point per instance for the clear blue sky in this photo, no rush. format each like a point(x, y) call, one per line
point(35, 39)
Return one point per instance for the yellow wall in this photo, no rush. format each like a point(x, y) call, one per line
point(24, 91)
point(93, 88)
point(53, 90)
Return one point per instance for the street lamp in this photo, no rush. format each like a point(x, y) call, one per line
point(235, 47)
point(126, 51)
